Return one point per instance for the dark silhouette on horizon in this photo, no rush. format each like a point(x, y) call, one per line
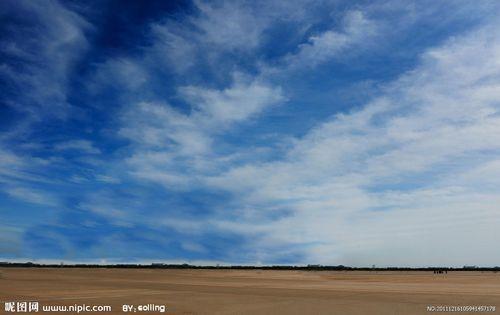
point(436, 270)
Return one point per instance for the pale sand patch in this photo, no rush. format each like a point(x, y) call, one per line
point(252, 291)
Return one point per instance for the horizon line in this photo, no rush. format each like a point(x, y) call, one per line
point(160, 265)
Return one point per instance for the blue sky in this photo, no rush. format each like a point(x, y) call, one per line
point(250, 132)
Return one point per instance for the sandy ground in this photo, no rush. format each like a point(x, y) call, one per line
point(252, 292)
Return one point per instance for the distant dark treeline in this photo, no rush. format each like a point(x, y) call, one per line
point(279, 267)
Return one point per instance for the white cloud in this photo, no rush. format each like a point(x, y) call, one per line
point(16, 168)
point(78, 145)
point(229, 24)
point(220, 29)
point(117, 212)
point(31, 195)
point(215, 29)
point(55, 45)
point(355, 32)
point(239, 102)
point(107, 179)
point(121, 73)
point(165, 138)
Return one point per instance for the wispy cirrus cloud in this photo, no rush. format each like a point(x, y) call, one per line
point(56, 41)
point(31, 196)
point(164, 137)
point(356, 32)
point(78, 145)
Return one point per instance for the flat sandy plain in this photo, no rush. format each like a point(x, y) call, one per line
point(252, 291)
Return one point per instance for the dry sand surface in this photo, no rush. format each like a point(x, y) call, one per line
point(252, 291)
